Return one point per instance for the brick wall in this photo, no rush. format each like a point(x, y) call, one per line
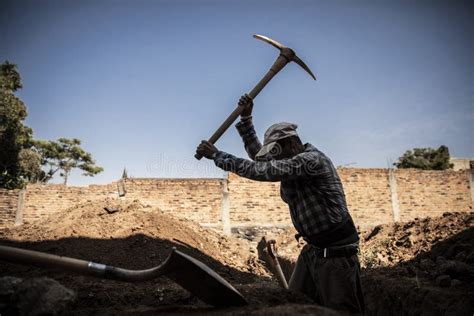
point(430, 193)
point(196, 199)
point(368, 193)
point(254, 203)
point(8, 207)
point(42, 200)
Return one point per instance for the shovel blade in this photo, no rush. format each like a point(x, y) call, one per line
point(202, 281)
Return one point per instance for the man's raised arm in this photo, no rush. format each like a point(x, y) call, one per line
point(246, 129)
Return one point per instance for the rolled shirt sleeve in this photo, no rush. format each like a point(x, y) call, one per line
point(249, 136)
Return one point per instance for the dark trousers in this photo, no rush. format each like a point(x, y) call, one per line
point(331, 282)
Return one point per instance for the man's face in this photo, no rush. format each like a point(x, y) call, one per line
point(284, 149)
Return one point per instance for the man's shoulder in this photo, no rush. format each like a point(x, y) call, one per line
point(310, 148)
point(314, 155)
point(311, 152)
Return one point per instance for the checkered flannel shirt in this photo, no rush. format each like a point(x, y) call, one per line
point(309, 182)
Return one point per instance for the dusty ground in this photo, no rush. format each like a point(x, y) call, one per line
point(420, 267)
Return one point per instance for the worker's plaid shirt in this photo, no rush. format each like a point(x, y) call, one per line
point(309, 182)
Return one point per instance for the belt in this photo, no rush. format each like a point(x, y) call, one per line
point(336, 252)
point(344, 233)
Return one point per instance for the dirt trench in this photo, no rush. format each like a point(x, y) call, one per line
point(422, 267)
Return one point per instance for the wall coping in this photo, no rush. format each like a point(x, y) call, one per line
point(173, 179)
point(232, 175)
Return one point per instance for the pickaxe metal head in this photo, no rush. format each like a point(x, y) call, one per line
point(286, 52)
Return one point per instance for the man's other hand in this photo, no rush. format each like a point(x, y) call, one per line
point(206, 149)
point(247, 102)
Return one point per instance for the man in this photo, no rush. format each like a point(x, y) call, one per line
point(327, 268)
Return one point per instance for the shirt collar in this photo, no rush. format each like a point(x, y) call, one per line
point(308, 147)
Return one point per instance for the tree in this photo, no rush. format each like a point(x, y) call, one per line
point(425, 158)
point(65, 155)
point(21, 157)
point(30, 164)
point(16, 138)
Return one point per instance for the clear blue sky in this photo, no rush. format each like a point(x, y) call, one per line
point(142, 82)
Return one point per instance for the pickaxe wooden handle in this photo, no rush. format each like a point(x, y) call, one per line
point(286, 55)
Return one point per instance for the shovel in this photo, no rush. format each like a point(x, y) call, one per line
point(272, 252)
point(191, 274)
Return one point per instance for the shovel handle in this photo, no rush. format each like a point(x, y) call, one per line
point(67, 264)
point(276, 67)
point(188, 272)
point(272, 252)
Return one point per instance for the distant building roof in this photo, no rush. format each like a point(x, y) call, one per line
point(462, 163)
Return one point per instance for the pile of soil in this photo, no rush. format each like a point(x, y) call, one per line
point(92, 230)
point(425, 266)
point(134, 236)
point(390, 244)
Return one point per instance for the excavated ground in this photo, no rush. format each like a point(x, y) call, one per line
point(134, 236)
point(419, 267)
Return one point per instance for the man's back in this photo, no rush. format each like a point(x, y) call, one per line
point(312, 189)
point(316, 199)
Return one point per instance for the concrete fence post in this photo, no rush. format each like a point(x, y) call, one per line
point(225, 206)
point(392, 183)
point(471, 185)
point(121, 190)
point(19, 208)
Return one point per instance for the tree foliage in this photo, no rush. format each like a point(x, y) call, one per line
point(65, 155)
point(16, 168)
point(22, 157)
point(426, 159)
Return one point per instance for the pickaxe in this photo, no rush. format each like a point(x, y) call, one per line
point(286, 55)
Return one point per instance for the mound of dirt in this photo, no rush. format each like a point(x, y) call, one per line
point(425, 266)
point(92, 230)
point(390, 244)
point(134, 236)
